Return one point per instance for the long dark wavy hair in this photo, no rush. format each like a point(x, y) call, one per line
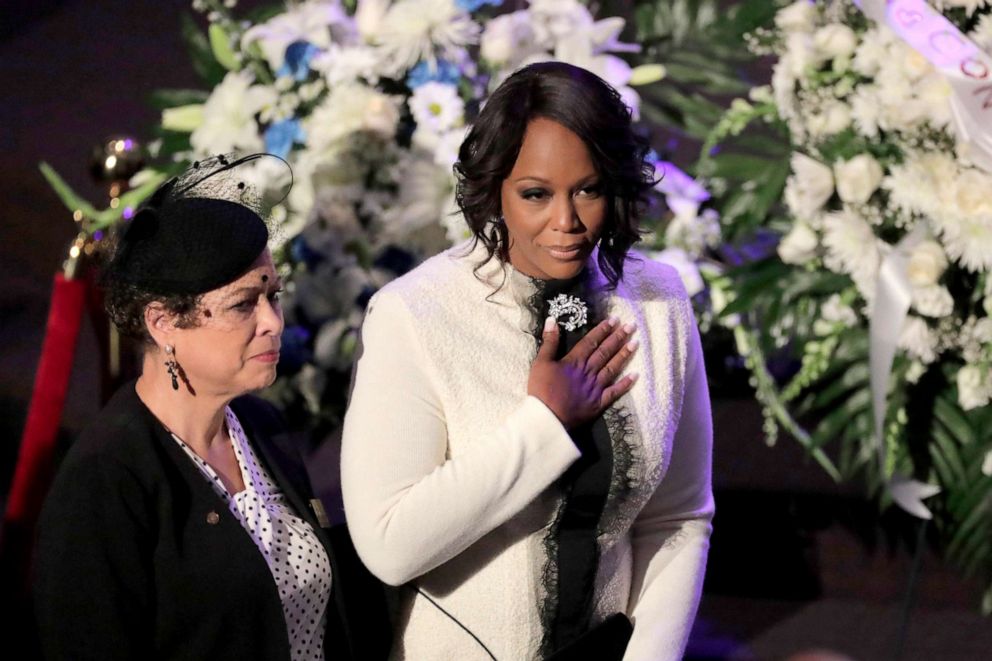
point(583, 103)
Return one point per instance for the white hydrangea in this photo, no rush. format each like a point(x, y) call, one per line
point(918, 340)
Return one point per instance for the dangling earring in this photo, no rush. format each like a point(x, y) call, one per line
point(172, 366)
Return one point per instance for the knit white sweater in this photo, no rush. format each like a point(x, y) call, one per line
point(447, 462)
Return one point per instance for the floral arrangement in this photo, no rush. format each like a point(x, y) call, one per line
point(369, 101)
point(885, 250)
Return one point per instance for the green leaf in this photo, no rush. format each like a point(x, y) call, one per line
point(204, 62)
point(220, 45)
point(69, 197)
point(171, 98)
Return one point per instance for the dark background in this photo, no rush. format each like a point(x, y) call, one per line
point(796, 563)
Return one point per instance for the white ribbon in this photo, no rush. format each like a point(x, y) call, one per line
point(893, 295)
point(964, 65)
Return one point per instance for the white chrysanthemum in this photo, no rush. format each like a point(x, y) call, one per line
point(974, 388)
point(414, 30)
point(933, 301)
point(969, 6)
point(852, 248)
point(317, 22)
point(509, 38)
point(229, 116)
point(918, 340)
point(871, 52)
point(968, 239)
point(346, 64)
point(808, 187)
point(921, 183)
point(982, 34)
point(437, 107)
point(865, 110)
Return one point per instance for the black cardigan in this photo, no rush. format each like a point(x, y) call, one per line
point(133, 563)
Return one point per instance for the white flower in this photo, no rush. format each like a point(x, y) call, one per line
point(797, 17)
point(968, 239)
point(987, 464)
point(436, 106)
point(346, 64)
point(229, 116)
point(368, 17)
point(556, 19)
point(809, 187)
point(982, 34)
point(413, 30)
point(423, 197)
point(835, 40)
point(508, 38)
point(927, 262)
point(865, 110)
point(319, 23)
point(933, 301)
point(918, 340)
point(683, 194)
point(834, 117)
point(852, 248)
point(858, 178)
point(975, 338)
point(871, 51)
point(687, 268)
point(834, 312)
point(693, 233)
point(799, 245)
point(973, 390)
point(448, 144)
point(351, 108)
point(800, 54)
point(969, 6)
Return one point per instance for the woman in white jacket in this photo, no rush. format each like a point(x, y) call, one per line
point(527, 447)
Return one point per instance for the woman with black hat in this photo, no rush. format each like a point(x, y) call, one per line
point(182, 523)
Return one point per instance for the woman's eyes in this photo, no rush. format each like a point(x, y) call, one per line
point(535, 194)
point(249, 303)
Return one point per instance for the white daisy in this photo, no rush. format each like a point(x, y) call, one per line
point(437, 107)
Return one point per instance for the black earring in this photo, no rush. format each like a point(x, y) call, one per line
point(172, 366)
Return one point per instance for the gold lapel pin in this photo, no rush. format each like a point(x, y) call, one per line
point(213, 518)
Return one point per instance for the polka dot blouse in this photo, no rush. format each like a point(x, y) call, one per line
point(289, 545)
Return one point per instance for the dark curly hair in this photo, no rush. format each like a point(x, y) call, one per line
point(125, 302)
point(586, 105)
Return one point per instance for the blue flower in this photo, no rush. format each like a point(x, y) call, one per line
point(472, 5)
point(441, 71)
point(295, 351)
point(298, 56)
point(280, 136)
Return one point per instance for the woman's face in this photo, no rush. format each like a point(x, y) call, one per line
point(552, 203)
point(235, 346)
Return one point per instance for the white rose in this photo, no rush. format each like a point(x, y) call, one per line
point(835, 117)
point(835, 40)
point(973, 391)
point(933, 301)
point(799, 16)
point(857, 178)
point(799, 245)
point(927, 263)
point(809, 187)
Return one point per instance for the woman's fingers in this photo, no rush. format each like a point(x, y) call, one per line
point(609, 372)
point(585, 347)
point(549, 341)
point(617, 390)
point(609, 348)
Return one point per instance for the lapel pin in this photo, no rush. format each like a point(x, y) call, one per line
point(213, 518)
